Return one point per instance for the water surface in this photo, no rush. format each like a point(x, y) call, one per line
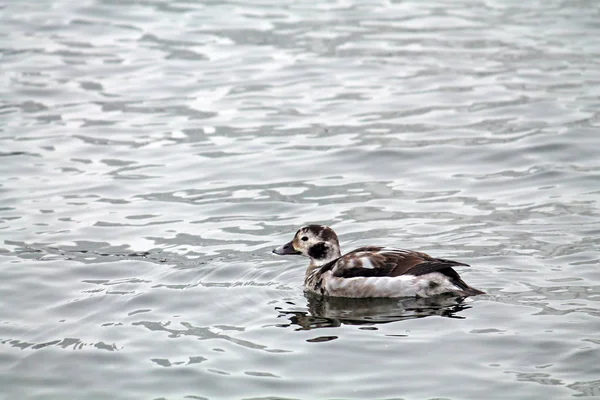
point(153, 153)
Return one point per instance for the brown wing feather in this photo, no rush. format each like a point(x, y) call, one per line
point(390, 262)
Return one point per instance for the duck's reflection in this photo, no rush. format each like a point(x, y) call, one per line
point(327, 312)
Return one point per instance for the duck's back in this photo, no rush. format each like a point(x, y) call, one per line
point(375, 271)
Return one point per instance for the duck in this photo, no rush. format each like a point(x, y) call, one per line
point(372, 271)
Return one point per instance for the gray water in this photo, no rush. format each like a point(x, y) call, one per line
point(154, 152)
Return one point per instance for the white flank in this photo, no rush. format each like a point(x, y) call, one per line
point(399, 286)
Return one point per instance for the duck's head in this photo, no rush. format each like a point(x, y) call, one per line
point(317, 242)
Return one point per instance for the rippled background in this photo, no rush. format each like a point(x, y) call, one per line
point(154, 152)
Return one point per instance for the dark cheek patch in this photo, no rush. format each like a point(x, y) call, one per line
point(318, 251)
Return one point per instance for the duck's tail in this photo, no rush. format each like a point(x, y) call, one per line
point(466, 290)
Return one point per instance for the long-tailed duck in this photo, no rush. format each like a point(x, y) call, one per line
point(372, 271)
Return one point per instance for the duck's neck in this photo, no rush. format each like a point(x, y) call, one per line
point(315, 264)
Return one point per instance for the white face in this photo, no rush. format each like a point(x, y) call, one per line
point(318, 242)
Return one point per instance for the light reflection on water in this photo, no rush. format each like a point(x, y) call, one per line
point(155, 152)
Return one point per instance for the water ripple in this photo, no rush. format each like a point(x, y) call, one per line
point(155, 152)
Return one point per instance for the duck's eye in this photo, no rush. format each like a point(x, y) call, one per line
point(304, 238)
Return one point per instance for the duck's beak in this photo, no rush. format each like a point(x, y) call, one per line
point(287, 248)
